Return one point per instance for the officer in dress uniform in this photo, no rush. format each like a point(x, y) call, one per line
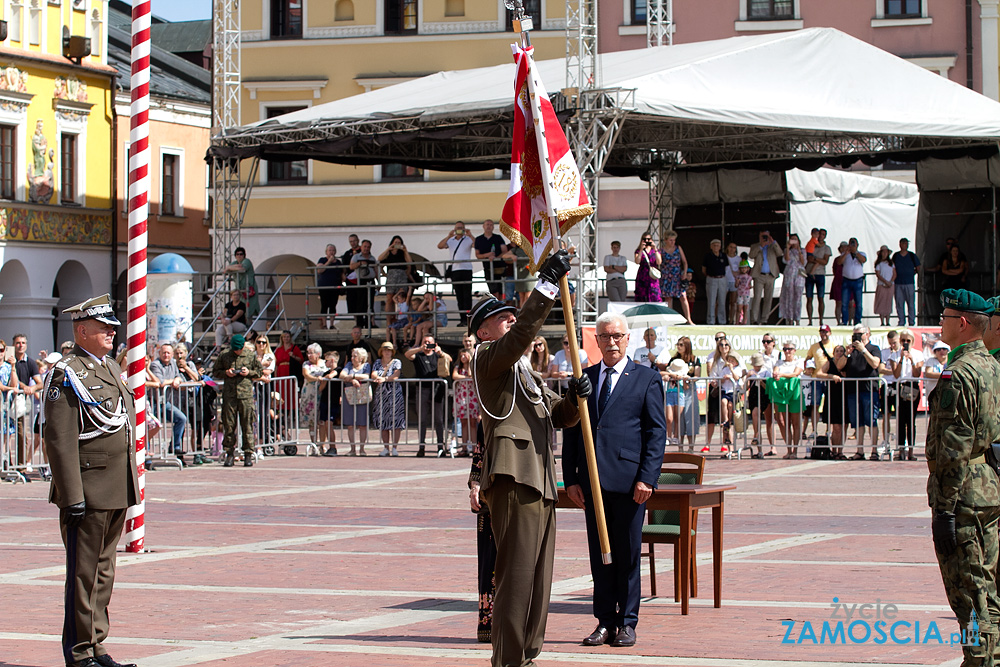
point(90, 438)
point(962, 489)
point(238, 367)
point(518, 481)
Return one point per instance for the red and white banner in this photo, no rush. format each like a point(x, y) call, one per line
point(545, 183)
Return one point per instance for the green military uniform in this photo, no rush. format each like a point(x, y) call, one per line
point(964, 421)
point(518, 478)
point(237, 395)
point(90, 439)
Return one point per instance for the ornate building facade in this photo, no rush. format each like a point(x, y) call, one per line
point(56, 181)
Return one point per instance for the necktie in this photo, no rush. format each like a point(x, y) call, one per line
point(605, 396)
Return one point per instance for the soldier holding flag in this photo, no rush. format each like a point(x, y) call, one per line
point(518, 480)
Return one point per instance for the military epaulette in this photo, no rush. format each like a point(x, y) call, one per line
point(62, 363)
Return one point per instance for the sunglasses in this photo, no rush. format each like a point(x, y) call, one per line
point(788, 349)
point(566, 343)
point(539, 345)
point(767, 341)
point(718, 338)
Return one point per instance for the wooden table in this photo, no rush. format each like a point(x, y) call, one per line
point(686, 498)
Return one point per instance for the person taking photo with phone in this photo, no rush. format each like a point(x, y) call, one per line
point(459, 243)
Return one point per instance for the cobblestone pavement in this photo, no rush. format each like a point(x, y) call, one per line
point(371, 561)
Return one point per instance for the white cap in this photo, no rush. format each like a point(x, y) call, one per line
point(941, 345)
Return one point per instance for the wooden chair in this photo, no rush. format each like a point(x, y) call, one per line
point(663, 526)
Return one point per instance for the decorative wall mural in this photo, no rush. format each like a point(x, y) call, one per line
point(11, 78)
point(70, 88)
point(54, 226)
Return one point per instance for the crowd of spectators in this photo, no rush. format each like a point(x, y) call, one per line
point(740, 286)
point(768, 389)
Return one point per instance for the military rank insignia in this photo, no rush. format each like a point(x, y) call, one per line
point(53, 394)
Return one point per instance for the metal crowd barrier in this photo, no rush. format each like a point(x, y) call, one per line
point(199, 406)
point(807, 421)
point(22, 452)
point(185, 412)
point(425, 405)
point(277, 418)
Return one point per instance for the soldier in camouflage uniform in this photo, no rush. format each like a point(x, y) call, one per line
point(991, 337)
point(962, 489)
point(238, 367)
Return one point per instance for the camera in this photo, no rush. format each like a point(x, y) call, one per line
point(906, 345)
point(856, 337)
point(428, 346)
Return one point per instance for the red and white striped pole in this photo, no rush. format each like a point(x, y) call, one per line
point(138, 214)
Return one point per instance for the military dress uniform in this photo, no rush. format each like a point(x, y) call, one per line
point(90, 439)
point(518, 480)
point(964, 411)
point(237, 397)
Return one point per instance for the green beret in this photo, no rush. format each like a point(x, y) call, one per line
point(966, 301)
point(994, 304)
point(237, 342)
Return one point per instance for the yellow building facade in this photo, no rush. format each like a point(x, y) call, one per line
point(56, 171)
point(302, 53)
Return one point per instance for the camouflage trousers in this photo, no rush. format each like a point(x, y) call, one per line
point(242, 410)
point(969, 576)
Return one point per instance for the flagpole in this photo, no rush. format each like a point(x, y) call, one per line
point(567, 304)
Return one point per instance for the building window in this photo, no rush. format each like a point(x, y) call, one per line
point(286, 19)
point(286, 172)
point(400, 16)
point(399, 172)
point(768, 10)
point(902, 9)
point(169, 185)
point(638, 10)
point(8, 158)
point(14, 25)
point(533, 10)
point(67, 168)
point(34, 26)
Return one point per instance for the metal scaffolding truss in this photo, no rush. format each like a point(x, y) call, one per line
point(659, 22)
point(228, 201)
point(581, 45)
point(231, 197)
point(472, 142)
point(592, 134)
point(661, 203)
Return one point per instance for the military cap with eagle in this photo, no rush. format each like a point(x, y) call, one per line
point(97, 308)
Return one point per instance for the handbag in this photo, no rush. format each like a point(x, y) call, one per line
point(358, 395)
point(654, 272)
point(20, 406)
point(739, 413)
point(908, 391)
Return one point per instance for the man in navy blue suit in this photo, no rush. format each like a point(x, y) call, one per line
point(627, 418)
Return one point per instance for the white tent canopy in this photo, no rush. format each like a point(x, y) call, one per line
point(876, 211)
point(808, 94)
